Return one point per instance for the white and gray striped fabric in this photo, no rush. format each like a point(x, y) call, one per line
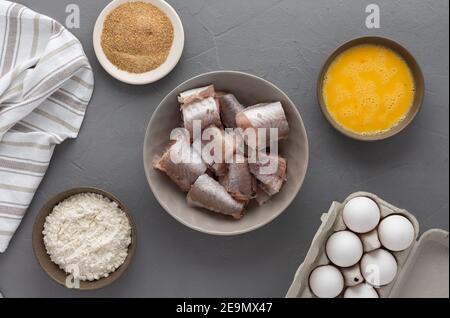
point(46, 83)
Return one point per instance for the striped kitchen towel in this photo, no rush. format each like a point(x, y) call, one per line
point(46, 83)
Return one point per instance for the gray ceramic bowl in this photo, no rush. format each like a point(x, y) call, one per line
point(53, 270)
point(249, 90)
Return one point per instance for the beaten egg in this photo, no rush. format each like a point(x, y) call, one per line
point(368, 89)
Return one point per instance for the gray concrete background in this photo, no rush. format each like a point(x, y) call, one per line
point(285, 42)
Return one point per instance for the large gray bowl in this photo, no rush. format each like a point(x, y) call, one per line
point(249, 90)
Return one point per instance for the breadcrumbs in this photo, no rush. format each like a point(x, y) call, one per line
point(137, 37)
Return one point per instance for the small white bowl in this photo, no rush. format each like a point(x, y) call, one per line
point(151, 76)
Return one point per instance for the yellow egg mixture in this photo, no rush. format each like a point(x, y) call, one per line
point(368, 89)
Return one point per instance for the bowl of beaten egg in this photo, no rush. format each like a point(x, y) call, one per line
point(370, 88)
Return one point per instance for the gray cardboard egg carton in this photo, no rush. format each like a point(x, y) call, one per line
point(333, 221)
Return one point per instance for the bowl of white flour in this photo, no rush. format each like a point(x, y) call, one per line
point(84, 238)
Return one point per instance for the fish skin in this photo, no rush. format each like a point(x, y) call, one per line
point(238, 181)
point(229, 108)
point(207, 111)
point(218, 139)
point(270, 115)
point(261, 196)
point(209, 194)
point(271, 182)
point(196, 94)
point(183, 174)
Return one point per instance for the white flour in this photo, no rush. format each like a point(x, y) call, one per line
point(87, 235)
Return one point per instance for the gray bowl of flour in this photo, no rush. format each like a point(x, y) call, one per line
point(99, 233)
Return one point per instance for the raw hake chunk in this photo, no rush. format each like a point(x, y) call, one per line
point(261, 118)
point(209, 194)
point(182, 164)
point(229, 108)
point(205, 112)
point(270, 170)
point(196, 94)
point(238, 181)
point(261, 196)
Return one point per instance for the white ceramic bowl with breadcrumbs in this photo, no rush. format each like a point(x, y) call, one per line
point(249, 90)
point(147, 77)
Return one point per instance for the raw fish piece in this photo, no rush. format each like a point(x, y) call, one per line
point(238, 181)
point(196, 94)
point(261, 196)
point(229, 108)
point(217, 149)
point(209, 194)
point(206, 111)
point(182, 172)
point(270, 171)
point(264, 116)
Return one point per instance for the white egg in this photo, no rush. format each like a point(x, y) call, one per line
point(361, 214)
point(379, 267)
point(344, 248)
point(363, 290)
point(396, 233)
point(326, 282)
